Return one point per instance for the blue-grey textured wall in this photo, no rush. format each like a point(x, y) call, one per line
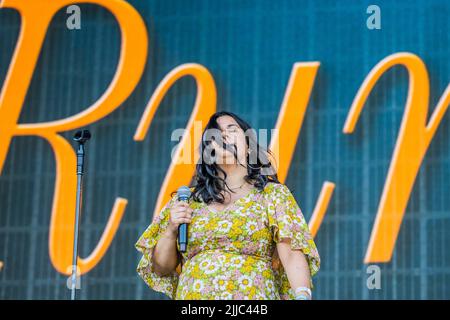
point(250, 48)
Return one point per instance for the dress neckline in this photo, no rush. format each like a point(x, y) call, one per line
point(234, 203)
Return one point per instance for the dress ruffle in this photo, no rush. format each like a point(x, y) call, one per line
point(146, 243)
point(286, 221)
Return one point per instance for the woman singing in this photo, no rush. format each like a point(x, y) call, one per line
point(247, 237)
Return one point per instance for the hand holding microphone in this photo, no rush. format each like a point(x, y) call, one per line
point(179, 213)
point(180, 216)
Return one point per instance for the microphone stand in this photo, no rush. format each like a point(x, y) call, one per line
point(81, 137)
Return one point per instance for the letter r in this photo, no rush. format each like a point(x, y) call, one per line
point(35, 19)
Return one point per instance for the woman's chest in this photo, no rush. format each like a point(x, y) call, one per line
point(248, 221)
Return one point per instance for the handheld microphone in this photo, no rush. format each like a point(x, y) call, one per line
point(183, 194)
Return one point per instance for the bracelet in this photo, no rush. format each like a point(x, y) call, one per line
point(302, 297)
point(300, 292)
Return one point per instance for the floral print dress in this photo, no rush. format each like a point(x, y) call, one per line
point(231, 253)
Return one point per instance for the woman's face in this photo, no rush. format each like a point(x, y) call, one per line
point(231, 134)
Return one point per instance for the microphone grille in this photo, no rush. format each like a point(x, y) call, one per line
point(184, 192)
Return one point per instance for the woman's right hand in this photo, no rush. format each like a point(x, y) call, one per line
point(179, 213)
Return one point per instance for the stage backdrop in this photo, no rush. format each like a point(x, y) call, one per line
point(250, 48)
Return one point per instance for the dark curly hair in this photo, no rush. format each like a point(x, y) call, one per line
point(208, 184)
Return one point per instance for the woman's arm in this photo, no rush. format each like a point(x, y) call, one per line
point(165, 255)
point(295, 264)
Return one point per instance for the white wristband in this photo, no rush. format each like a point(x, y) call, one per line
point(301, 290)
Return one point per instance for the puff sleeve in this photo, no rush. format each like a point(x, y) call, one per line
point(145, 244)
point(286, 221)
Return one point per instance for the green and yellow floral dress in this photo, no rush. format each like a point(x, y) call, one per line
point(231, 254)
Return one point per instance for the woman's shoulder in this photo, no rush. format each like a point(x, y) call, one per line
point(275, 189)
point(274, 186)
point(193, 202)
